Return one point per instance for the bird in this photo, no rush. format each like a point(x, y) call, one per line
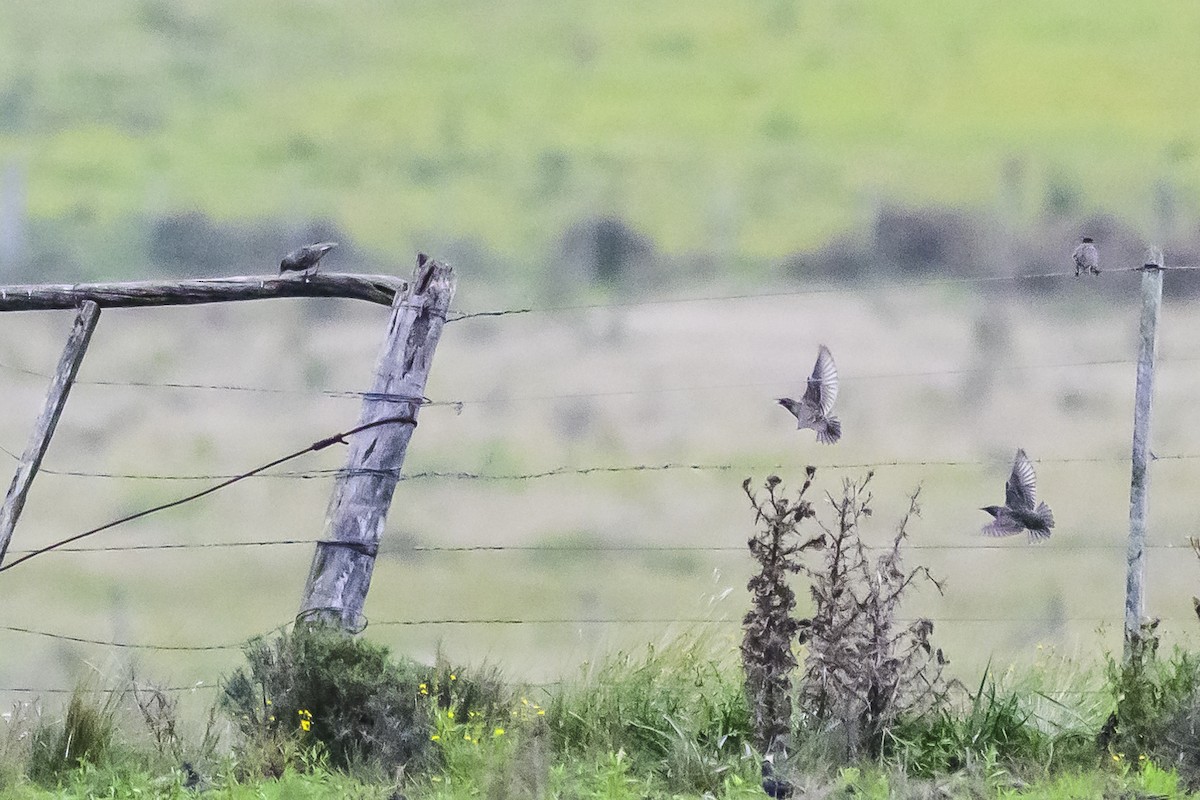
point(305, 259)
point(1087, 258)
point(772, 784)
point(813, 409)
point(1019, 512)
point(192, 778)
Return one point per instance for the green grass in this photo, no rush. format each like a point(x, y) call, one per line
point(667, 722)
point(753, 130)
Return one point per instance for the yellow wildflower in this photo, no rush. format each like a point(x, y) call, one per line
point(435, 738)
point(450, 714)
point(498, 732)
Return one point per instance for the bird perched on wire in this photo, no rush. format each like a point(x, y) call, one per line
point(305, 259)
point(1087, 258)
point(813, 409)
point(1020, 511)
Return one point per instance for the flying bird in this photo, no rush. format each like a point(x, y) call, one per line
point(1020, 511)
point(305, 259)
point(813, 409)
point(1087, 259)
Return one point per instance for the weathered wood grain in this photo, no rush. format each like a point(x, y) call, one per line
point(1135, 557)
point(41, 297)
point(345, 558)
point(39, 440)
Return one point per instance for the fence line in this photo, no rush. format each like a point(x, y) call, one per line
point(460, 403)
point(820, 290)
point(437, 621)
point(556, 472)
point(590, 548)
point(562, 471)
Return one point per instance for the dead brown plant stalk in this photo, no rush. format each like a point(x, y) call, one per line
point(770, 627)
point(864, 669)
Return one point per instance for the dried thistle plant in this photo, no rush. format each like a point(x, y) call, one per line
point(863, 669)
point(770, 628)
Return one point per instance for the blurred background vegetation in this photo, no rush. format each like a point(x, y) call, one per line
point(724, 141)
point(619, 151)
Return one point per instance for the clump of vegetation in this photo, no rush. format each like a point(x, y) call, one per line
point(677, 712)
point(770, 627)
point(85, 735)
point(995, 727)
point(339, 693)
point(864, 670)
point(1157, 705)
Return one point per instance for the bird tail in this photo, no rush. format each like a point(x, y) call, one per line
point(1045, 515)
point(829, 431)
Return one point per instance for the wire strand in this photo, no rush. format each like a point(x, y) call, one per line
point(337, 438)
point(584, 547)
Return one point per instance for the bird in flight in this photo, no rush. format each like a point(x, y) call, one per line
point(813, 410)
point(1087, 258)
point(1020, 511)
point(305, 259)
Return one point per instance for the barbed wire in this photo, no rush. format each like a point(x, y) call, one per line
point(583, 547)
point(439, 621)
point(562, 682)
point(321, 444)
point(565, 471)
point(238, 645)
point(458, 404)
point(199, 685)
point(875, 286)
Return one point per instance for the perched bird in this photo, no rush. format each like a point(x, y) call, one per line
point(813, 409)
point(191, 778)
point(1087, 259)
point(1019, 512)
point(305, 259)
point(772, 784)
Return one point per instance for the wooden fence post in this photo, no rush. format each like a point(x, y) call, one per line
point(39, 440)
point(337, 585)
point(1135, 558)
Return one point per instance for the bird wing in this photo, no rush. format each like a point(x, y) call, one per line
point(1077, 254)
point(1003, 525)
point(822, 388)
point(1021, 489)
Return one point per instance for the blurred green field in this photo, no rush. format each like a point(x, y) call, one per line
point(750, 131)
point(928, 376)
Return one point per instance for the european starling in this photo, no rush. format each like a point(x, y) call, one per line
point(773, 785)
point(813, 409)
point(1087, 259)
point(191, 777)
point(1019, 512)
point(305, 259)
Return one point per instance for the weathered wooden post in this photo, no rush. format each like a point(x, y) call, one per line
point(345, 557)
point(1143, 400)
point(39, 440)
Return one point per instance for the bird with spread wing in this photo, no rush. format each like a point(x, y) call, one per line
point(814, 409)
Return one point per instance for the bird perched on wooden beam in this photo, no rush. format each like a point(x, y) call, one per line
point(305, 259)
point(1087, 258)
point(1019, 512)
point(813, 409)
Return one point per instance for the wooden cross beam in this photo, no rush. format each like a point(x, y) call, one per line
point(47, 296)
